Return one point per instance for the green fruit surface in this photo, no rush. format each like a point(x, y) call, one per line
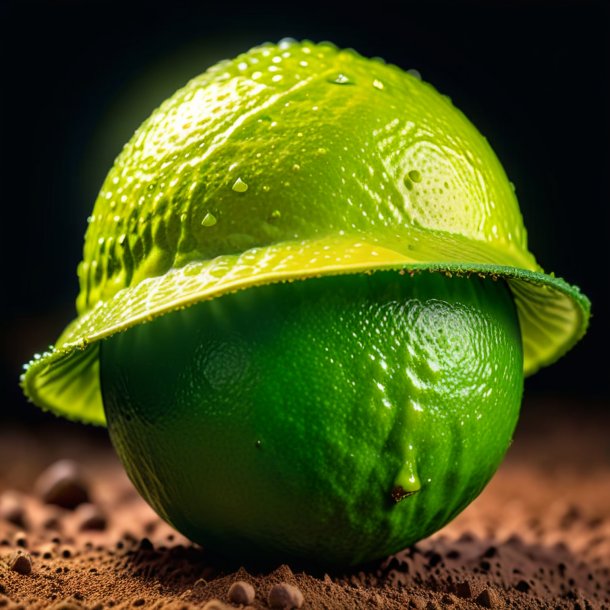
point(334, 420)
point(297, 143)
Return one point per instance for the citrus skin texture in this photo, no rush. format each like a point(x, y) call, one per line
point(335, 420)
point(306, 308)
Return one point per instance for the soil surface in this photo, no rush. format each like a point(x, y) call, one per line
point(537, 537)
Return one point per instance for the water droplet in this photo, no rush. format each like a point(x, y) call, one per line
point(406, 482)
point(341, 79)
point(513, 187)
point(266, 188)
point(275, 215)
point(377, 84)
point(239, 186)
point(209, 220)
point(296, 167)
point(321, 151)
point(415, 73)
point(286, 43)
point(415, 175)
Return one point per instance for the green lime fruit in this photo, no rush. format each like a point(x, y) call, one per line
point(335, 420)
point(274, 207)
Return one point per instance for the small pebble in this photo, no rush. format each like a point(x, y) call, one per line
point(90, 517)
point(466, 537)
point(146, 544)
point(52, 521)
point(514, 540)
point(463, 589)
point(285, 595)
point(241, 592)
point(488, 598)
point(11, 508)
point(492, 551)
point(522, 586)
point(66, 552)
point(62, 484)
point(216, 604)
point(21, 539)
point(20, 562)
point(47, 550)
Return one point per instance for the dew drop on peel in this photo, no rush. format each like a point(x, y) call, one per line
point(209, 220)
point(239, 186)
point(341, 79)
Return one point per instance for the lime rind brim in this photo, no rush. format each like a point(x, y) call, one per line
point(553, 315)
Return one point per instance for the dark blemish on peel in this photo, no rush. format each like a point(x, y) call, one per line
point(399, 493)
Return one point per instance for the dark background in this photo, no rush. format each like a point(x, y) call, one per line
point(78, 78)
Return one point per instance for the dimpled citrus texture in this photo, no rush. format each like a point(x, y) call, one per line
point(334, 420)
point(233, 161)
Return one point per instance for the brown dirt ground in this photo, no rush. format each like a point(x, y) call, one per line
point(538, 536)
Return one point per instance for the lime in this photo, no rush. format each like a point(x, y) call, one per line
point(335, 420)
point(306, 308)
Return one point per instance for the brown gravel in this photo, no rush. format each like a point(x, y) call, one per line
point(241, 592)
point(538, 536)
